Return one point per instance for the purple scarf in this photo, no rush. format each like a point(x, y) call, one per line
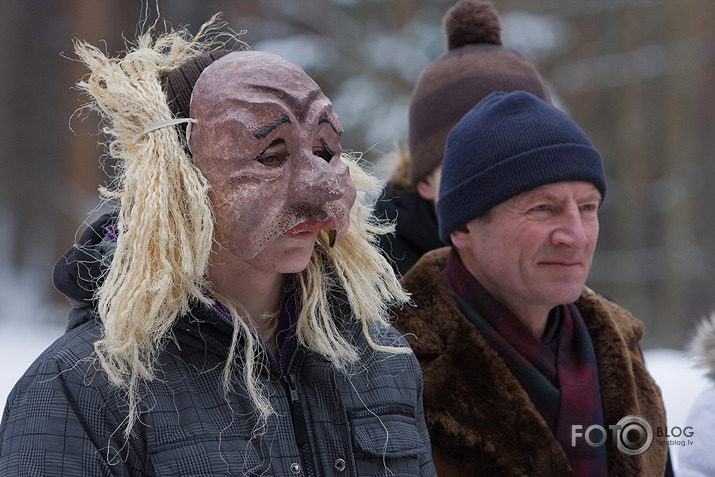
point(287, 320)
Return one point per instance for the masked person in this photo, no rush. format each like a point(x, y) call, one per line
point(230, 317)
point(475, 64)
point(527, 371)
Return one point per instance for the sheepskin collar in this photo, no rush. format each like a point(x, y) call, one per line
point(478, 414)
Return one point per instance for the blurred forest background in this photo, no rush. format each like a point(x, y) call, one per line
point(637, 75)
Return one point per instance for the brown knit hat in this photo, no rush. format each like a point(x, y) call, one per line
point(475, 65)
point(179, 84)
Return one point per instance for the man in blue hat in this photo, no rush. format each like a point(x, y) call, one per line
point(527, 371)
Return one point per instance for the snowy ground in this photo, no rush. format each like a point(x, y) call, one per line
point(19, 346)
point(680, 381)
point(673, 370)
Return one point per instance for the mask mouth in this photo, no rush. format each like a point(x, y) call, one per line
point(297, 221)
point(311, 225)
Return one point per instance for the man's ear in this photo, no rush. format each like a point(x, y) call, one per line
point(460, 237)
point(425, 189)
point(428, 188)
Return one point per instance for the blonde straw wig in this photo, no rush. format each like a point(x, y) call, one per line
point(165, 232)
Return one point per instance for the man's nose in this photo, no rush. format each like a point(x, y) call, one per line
point(572, 230)
point(316, 182)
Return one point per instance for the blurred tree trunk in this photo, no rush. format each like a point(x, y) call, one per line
point(85, 166)
point(678, 226)
point(49, 173)
point(29, 104)
point(631, 165)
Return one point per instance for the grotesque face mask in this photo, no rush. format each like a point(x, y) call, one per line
point(268, 142)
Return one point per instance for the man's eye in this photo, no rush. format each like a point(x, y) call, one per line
point(272, 160)
point(540, 208)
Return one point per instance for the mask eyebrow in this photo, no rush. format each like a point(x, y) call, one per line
point(324, 118)
point(264, 131)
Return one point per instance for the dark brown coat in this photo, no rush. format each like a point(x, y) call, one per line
point(481, 420)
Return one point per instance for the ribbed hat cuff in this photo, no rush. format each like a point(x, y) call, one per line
point(510, 177)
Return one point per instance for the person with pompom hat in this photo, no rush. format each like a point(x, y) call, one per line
point(526, 370)
point(475, 64)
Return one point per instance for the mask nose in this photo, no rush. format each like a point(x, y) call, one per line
point(317, 183)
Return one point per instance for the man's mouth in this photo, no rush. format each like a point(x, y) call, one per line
point(562, 263)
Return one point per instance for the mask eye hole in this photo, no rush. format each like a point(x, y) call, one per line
point(275, 155)
point(324, 151)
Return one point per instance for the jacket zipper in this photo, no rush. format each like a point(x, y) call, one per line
point(296, 407)
point(298, 418)
point(296, 411)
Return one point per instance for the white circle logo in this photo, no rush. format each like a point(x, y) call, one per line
point(634, 436)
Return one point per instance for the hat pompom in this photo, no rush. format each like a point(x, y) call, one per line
point(472, 22)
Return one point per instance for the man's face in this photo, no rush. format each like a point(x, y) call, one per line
point(535, 250)
point(268, 142)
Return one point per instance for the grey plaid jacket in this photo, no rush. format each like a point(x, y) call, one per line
point(64, 418)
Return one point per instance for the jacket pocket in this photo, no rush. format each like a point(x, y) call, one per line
point(386, 436)
point(208, 456)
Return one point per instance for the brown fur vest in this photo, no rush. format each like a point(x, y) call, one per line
point(481, 420)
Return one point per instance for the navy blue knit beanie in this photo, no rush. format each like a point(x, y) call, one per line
point(510, 143)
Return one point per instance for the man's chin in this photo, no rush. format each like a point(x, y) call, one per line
point(566, 294)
